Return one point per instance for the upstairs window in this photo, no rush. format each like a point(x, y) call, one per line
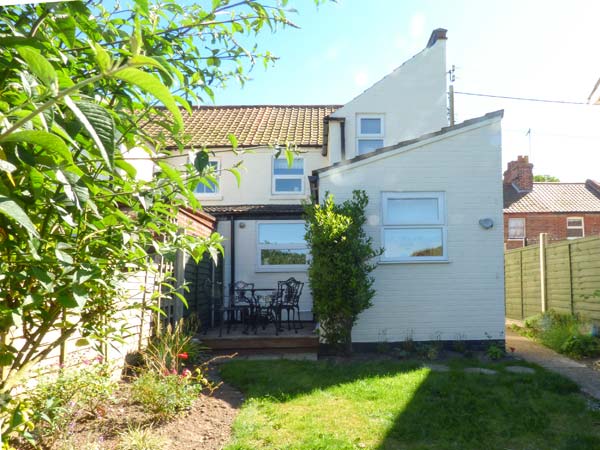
point(369, 133)
point(281, 245)
point(414, 227)
point(575, 227)
point(286, 179)
point(516, 228)
point(210, 184)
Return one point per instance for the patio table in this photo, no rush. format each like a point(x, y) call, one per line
point(264, 308)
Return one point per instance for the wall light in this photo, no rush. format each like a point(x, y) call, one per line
point(486, 223)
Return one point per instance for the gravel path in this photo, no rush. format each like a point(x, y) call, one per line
point(587, 379)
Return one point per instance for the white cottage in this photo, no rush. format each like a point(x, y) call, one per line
point(435, 199)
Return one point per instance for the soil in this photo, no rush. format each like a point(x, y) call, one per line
point(206, 426)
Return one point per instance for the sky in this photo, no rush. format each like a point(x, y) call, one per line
point(528, 48)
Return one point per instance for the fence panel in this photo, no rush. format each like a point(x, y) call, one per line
point(572, 276)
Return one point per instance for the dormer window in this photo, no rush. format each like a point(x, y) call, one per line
point(369, 133)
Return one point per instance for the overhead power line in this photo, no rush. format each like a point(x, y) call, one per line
point(540, 100)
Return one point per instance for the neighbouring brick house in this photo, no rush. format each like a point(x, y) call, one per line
point(562, 210)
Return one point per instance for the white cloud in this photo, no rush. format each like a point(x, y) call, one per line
point(417, 26)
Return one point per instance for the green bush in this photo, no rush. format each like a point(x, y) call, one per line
point(73, 394)
point(563, 333)
point(137, 438)
point(340, 266)
point(166, 395)
point(581, 346)
point(173, 347)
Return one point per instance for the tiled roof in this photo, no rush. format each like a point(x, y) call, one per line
point(254, 210)
point(553, 197)
point(256, 125)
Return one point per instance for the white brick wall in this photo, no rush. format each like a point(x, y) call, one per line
point(460, 299)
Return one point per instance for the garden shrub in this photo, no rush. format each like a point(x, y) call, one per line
point(564, 333)
point(72, 395)
point(166, 395)
point(340, 266)
point(581, 346)
point(168, 350)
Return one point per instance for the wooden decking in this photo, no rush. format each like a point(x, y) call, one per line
point(305, 340)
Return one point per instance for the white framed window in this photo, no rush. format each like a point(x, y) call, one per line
point(281, 245)
point(414, 227)
point(286, 179)
point(575, 227)
point(516, 228)
point(369, 133)
point(209, 185)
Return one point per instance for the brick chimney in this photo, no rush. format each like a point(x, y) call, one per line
point(439, 34)
point(520, 174)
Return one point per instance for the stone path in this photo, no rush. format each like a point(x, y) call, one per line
point(587, 379)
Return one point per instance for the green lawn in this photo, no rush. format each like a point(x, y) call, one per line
point(399, 405)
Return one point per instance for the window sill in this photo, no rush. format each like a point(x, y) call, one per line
point(288, 196)
point(438, 261)
point(282, 269)
point(515, 239)
point(208, 197)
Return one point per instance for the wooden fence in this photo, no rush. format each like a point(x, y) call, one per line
point(562, 276)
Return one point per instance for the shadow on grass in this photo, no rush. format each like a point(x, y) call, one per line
point(439, 410)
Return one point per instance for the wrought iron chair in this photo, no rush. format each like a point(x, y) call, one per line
point(241, 304)
point(288, 300)
point(213, 291)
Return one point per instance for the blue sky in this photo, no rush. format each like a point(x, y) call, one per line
point(535, 49)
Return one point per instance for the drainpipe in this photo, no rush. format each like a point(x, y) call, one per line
point(313, 182)
point(232, 257)
point(343, 138)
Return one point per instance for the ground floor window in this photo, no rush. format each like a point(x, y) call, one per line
point(414, 227)
point(281, 245)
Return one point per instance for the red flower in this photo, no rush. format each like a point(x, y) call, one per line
point(173, 371)
point(186, 373)
point(183, 355)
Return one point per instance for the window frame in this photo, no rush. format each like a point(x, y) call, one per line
point(288, 177)
point(524, 229)
point(217, 192)
point(260, 267)
point(360, 136)
point(441, 224)
point(582, 227)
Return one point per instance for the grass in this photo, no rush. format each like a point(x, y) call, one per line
point(400, 405)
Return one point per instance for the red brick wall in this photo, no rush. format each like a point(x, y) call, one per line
point(196, 223)
point(554, 224)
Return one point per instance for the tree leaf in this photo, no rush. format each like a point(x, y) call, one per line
point(201, 161)
point(14, 212)
point(39, 66)
point(102, 57)
point(103, 123)
point(152, 85)
point(289, 155)
point(233, 140)
point(44, 139)
point(142, 60)
point(101, 119)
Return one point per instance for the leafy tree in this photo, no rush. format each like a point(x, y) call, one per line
point(79, 84)
point(340, 266)
point(543, 178)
